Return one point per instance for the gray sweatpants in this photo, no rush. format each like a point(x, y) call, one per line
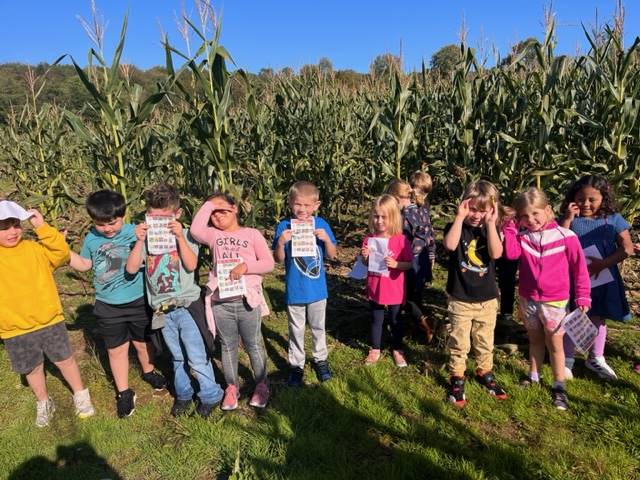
point(235, 320)
point(314, 314)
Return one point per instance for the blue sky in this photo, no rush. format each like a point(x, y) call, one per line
point(283, 33)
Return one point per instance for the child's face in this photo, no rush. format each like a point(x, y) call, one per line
point(477, 213)
point(589, 200)
point(224, 215)
point(380, 221)
point(10, 233)
point(403, 200)
point(303, 207)
point(534, 219)
point(109, 229)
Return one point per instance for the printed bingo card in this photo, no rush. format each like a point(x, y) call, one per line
point(580, 329)
point(303, 241)
point(226, 287)
point(160, 240)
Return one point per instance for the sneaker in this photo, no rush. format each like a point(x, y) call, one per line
point(230, 401)
point(398, 358)
point(205, 409)
point(260, 395)
point(82, 402)
point(155, 379)
point(295, 377)
point(125, 403)
point(526, 382)
point(636, 367)
point(489, 382)
point(600, 367)
point(372, 357)
point(180, 407)
point(560, 400)
point(456, 392)
point(323, 372)
point(568, 373)
point(44, 412)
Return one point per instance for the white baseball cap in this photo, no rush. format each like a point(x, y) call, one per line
point(9, 209)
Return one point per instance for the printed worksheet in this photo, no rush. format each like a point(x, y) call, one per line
point(160, 240)
point(378, 248)
point(580, 329)
point(605, 275)
point(228, 288)
point(303, 240)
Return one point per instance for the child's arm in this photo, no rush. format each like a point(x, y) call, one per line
point(79, 263)
point(261, 264)
point(452, 237)
point(54, 246)
point(188, 257)
point(625, 249)
point(330, 249)
point(512, 248)
point(494, 243)
point(572, 211)
point(279, 252)
point(200, 229)
point(579, 273)
point(134, 261)
point(404, 257)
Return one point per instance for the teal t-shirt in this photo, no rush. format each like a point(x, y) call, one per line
point(167, 280)
point(111, 281)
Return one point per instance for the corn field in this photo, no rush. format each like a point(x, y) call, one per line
point(549, 121)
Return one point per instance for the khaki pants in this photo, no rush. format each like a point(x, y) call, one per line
point(471, 322)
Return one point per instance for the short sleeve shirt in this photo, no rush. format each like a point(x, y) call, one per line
point(305, 278)
point(112, 283)
point(390, 290)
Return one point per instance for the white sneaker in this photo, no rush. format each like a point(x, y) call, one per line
point(44, 412)
point(600, 367)
point(568, 373)
point(82, 402)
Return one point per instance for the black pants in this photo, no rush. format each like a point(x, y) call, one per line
point(377, 324)
point(506, 272)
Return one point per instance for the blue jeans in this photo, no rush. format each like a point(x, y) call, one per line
point(185, 342)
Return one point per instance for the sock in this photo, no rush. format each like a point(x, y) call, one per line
point(534, 377)
point(559, 385)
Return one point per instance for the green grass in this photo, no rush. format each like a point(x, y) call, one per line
point(368, 422)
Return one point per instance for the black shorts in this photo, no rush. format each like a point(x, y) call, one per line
point(27, 351)
point(118, 324)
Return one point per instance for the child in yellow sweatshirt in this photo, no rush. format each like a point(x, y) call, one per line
point(31, 315)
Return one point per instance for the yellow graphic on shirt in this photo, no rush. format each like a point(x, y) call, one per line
point(473, 263)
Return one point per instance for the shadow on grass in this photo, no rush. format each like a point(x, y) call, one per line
point(76, 461)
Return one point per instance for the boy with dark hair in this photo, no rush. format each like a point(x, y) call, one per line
point(120, 308)
point(31, 316)
point(173, 293)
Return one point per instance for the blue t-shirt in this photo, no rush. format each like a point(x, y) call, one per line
point(305, 279)
point(112, 283)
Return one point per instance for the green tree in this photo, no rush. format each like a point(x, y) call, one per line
point(384, 65)
point(325, 66)
point(527, 48)
point(445, 60)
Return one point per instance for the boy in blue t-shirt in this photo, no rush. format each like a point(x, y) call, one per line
point(305, 282)
point(120, 308)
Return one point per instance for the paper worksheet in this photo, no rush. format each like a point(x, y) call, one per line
point(580, 329)
point(604, 276)
point(378, 248)
point(160, 240)
point(303, 240)
point(228, 288)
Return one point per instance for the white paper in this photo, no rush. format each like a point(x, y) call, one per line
point(359, 270)
point(378, 248)
point(580, 329)
point(226, 287)
point(160, 240)
point(604, 276)
point(303, 240)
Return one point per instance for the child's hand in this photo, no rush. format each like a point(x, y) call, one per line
point(584, 308)
point(238, 271)
point(285, 237)
point(36, 219)
point(636, 249)
point(365, 254)
point(572, 211)
point(390, 262)
point(321, 235)
point(463, 209)
point(141, 231)
point(596, 266)
point(491, 218)
point(176, 228)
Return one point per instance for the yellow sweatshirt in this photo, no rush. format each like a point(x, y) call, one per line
point(29, 299)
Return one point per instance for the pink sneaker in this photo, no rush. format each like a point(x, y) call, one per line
point(398, 358)
point(373, 357)
point(260, 395)
point(230, 401)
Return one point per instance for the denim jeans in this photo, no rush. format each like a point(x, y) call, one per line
point(235, 320)
point(185, 342)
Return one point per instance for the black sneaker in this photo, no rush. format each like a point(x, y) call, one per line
point(323, 372)
point(560, 400)
point(295, 377)
point(125, 403)
point(180, 407)
point(205, 409)
point(155, 379)
point(489, 382)
point(456, 392)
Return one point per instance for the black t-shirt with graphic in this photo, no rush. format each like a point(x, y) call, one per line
point(472, 272)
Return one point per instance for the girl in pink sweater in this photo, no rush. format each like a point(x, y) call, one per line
point(551, 261)
point(235, 301)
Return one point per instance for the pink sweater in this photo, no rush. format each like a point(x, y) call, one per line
point(550, 260)
point(245, 243)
